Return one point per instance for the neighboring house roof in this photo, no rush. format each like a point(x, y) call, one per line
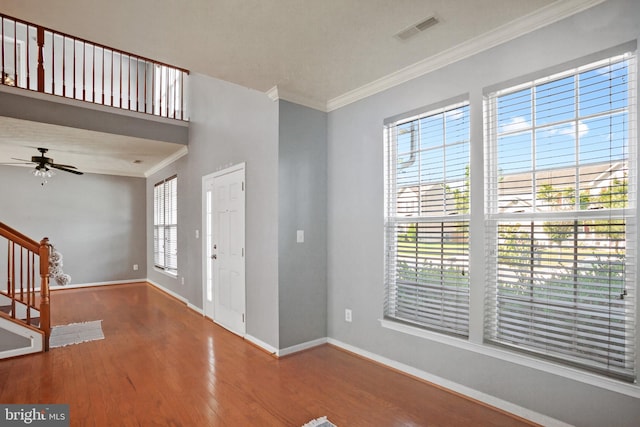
point(516, 191)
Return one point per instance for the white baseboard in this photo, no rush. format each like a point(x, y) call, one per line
point(261, 344)
point(196, 309)
point(285, 351)
point(168, 291)
point(90, 285)
point(455, 387)
point(300, 347)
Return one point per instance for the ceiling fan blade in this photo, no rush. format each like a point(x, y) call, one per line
point(23, 160)
point(15, 163)
point(62, 168)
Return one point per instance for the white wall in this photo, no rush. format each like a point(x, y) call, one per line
point(355, 226)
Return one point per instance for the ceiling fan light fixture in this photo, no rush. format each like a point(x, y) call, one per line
point(44, 173)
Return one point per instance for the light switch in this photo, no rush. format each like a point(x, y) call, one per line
point(197, 234)
point(300, 236)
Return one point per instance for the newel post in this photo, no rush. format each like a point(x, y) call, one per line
point(45, 312)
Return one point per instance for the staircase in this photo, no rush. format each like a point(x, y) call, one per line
point(25, 323)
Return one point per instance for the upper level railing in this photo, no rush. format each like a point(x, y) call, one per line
point(39, 59)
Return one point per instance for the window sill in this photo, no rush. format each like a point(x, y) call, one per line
point(632, 390)
point(166, 273)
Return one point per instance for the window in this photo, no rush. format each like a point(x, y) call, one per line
point(165, 225)
point(426, 221)
point(561, 217)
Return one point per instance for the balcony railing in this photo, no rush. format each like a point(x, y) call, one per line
point(47, 61)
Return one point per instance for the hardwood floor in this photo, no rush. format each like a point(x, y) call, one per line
point(161, 364)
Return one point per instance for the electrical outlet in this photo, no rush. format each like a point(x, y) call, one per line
point(135, 267)
point(347, 315)
point(182, 281)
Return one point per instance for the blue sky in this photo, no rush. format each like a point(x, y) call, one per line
point(577, 119)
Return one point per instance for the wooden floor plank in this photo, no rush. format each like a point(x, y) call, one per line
point(163, 364)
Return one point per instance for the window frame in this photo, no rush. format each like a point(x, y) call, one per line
point(165, 191)
point(428, 294)
point(493, 216)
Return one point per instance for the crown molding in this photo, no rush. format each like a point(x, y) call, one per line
point(276, 93)
point(547, 15)
point(273, 93)
point(166, 162)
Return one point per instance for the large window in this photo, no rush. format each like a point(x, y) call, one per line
point(165, 225)
point(426, 223)
point(561, 217)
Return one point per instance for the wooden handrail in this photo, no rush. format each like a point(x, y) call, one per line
point(102, 46)
point(19, 238)
point(109, 76)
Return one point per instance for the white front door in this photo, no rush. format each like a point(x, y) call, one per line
point(224, 214)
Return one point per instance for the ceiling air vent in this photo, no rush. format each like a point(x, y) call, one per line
point(417, 28)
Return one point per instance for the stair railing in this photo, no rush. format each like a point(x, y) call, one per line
point(40, 59)
point(26, 258)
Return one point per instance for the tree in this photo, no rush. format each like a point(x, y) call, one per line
point(516, 244)
point(461, 194)
point(555, 199)
point(615, 196)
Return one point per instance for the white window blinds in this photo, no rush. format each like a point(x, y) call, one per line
point(561, 217)
point(165, 225)
point(426, 221)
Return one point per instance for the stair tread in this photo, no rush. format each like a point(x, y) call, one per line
point(35, 321)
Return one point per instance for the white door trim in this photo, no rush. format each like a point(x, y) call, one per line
point(203, 231)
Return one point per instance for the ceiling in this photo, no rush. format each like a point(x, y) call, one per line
point(322, 54)
point(89, 151)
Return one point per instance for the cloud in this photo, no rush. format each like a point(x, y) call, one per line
point(515, 124)
point(570, 129)
point(519, 123)
point(583, 129)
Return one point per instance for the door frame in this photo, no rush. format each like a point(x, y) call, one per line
point(203, 236)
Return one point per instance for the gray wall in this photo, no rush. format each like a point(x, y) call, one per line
point(11, 341)
point(229, 125)
point(356, 209)
point(302, 193)
point(97, 222)
point(33, 106)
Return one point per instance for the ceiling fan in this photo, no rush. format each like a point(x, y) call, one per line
point(44, 165)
